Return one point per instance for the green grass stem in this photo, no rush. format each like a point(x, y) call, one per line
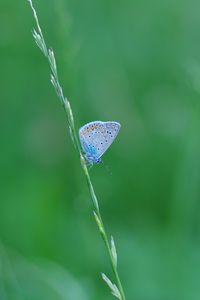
point(116, 290)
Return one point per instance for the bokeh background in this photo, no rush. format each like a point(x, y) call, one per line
point(136, 62)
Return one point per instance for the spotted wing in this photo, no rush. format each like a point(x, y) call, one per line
point(99, 136)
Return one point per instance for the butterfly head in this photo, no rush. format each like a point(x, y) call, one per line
point(92, 160)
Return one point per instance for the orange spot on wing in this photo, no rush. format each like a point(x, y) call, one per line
point(89, 129)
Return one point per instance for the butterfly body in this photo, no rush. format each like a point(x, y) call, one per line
point(96, 137)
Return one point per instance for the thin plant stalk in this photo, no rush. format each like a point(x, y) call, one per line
point(116, 289)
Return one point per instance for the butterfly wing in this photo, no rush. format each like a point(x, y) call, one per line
point(97, 136)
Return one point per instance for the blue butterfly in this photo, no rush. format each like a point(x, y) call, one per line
point(96, 137)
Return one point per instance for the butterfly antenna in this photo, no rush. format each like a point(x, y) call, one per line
point(107, 168)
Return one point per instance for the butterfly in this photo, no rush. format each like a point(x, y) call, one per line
point(96, 137)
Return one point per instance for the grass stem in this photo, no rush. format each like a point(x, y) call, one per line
point(117, 290)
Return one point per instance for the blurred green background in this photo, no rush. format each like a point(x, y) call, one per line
point(136, 62)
